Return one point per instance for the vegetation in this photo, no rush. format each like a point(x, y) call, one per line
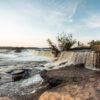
point(53, 47)
point(64, 43)
point(81, 48)
point(94, 42)
point(18, 49)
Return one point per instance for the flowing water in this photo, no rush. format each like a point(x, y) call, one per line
point(90, 59)
point(32, 60)
point(27, 59)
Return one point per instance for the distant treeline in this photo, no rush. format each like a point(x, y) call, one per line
point(25, 48)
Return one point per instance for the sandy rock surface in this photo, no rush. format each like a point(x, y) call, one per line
point(88, 88)
point(5, 98)
point(85, 90)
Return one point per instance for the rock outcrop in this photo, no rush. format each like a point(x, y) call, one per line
point(75, 91)
point(73, 73)
point(19, 74)
point(96, 48)
point(72, 83)
point(4, 98)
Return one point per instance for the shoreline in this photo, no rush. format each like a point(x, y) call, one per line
point(45, 77)
point(56, 79)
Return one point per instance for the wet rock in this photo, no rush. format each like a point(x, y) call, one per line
point(32, 96)
point(80, 65)
point(43, 74)
point(35, 66)
point(16, 72)
point(51, 67)
point(42, 66)
point(19, 74)
point(63, 63)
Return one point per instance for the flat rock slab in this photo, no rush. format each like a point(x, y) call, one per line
point(67, 74)
point(4, 98)
point(16, 72)
point(86, 89)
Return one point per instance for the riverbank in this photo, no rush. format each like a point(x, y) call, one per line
point(65, 77)
point(70, 83)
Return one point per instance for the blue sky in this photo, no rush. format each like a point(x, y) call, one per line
point(31, 22)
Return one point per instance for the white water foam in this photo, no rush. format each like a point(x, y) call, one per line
point(33, 79)
point(23, 56)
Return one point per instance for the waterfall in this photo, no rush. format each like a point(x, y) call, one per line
point(46, 53)
point(90, 59)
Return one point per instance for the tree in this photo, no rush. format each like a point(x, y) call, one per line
point(53, 47)
point(64, 43)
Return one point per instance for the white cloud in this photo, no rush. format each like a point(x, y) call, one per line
point(63, 13)
point(93, 21)
point(55, 13)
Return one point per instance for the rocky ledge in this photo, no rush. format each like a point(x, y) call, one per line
point(72, 83)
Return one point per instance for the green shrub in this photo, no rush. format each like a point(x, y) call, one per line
point(94, 42)
point(64, 43)
point(53, 47)
point(18, 49)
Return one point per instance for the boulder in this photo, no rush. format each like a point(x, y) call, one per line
point(19, 74)
point(43, 74)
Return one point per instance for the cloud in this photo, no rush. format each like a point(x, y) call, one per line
point(54, 12)
point(93, 21)
point(62, 13)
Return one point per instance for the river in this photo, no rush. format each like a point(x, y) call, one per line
point(27, 59)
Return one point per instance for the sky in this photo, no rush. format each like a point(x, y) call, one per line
point(30, 23)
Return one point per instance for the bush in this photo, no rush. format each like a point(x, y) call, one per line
point(18, 49)
point(64, 43)
point(93, 43)
point(53, 47)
